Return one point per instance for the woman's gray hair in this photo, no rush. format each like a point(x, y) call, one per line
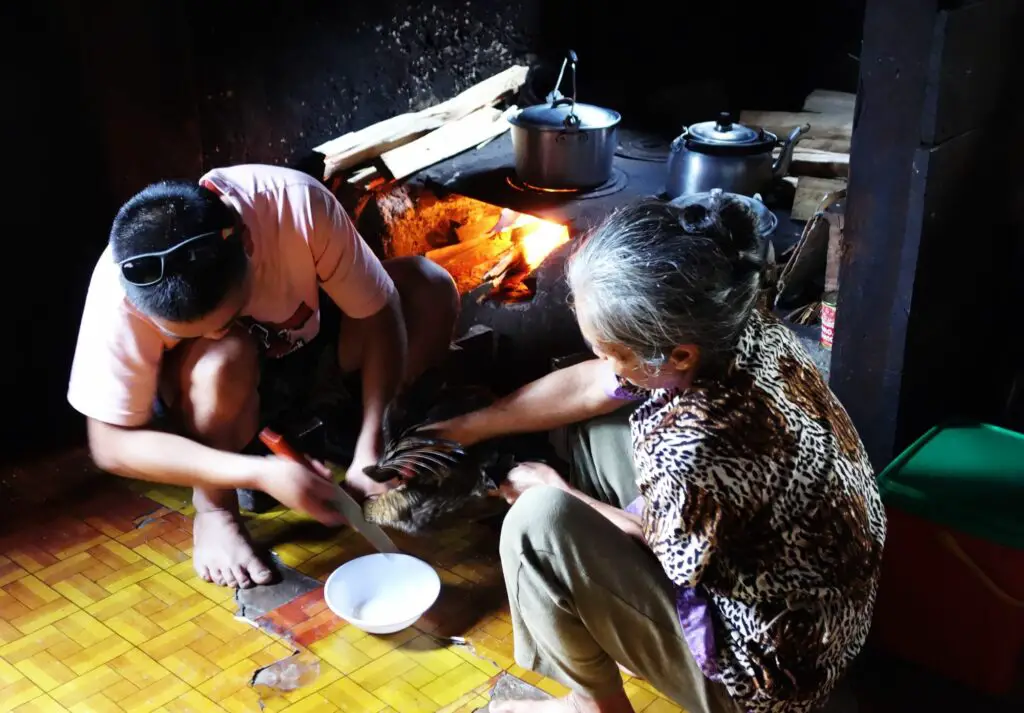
point(654, 276)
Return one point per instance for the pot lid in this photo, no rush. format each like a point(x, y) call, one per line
point(724, 132)
point(552, 117)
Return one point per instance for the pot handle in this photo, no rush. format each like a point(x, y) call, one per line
point(570, 57)
point(572, 121)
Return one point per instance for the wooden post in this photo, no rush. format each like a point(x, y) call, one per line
point(923, 306)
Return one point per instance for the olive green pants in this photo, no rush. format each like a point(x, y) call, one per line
point(584, 595)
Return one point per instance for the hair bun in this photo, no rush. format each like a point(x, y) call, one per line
point(697, 219)
point(730, 223)
point(739, 223)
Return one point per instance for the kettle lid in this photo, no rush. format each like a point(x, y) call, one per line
point(725, 132)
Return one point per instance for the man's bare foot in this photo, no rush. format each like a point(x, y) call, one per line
point(223, 554)
point(573, 703)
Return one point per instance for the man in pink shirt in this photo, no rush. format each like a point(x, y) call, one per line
point(205, 293)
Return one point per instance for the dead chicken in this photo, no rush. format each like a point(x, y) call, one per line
point(443, 482)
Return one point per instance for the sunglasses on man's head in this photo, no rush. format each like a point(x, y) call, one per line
point(148, 269)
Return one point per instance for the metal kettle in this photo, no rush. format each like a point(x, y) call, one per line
point(727, 155)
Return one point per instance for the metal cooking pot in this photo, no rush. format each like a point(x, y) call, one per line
point(724, 154)
point(564, 144)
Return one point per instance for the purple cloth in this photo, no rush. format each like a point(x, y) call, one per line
point(636, 507)
point(614, 388)
point(694, 617)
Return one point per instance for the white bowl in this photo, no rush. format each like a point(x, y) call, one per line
point(382, 593)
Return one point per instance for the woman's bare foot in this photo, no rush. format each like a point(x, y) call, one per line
point(223, 553)
point(573, 703)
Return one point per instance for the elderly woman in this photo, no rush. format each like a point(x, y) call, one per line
point(725, 545)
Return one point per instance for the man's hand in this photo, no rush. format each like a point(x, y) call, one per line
point(526, 476)
point(297, 487)
point(359, 483)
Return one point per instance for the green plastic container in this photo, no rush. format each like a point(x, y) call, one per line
point(968, 477)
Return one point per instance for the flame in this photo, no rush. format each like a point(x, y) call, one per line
point(539, 238)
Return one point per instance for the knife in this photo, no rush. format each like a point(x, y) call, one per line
point(345, 503)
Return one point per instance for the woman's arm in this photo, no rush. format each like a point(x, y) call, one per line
point(629, 523)
point(566, 396)
point(529, 475)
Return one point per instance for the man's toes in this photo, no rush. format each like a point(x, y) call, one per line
point(259, 572)
point(241, 576)
point(217, 576)
point(228, 577)
point(204, 573)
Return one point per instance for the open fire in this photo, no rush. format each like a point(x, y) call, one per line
point(530, 240)
point(485, 248)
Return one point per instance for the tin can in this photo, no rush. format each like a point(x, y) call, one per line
point(828, 323)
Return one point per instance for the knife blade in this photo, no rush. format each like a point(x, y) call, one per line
point(344, 502)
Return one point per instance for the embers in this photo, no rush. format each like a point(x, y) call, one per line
point(477, 243)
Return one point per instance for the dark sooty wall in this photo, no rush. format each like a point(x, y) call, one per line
point(113, 94)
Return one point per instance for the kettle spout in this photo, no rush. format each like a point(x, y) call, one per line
point(781, 165)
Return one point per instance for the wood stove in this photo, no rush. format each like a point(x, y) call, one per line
point(504, 242)
point(465, 213)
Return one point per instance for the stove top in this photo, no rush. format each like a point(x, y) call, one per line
point(616, 183)
point(643, 146)
point(488, 174)
point(639, 170)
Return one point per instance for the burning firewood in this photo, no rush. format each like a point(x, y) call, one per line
point(509, 260)
point(520, 288)
point(449, 252)
point(511, 279)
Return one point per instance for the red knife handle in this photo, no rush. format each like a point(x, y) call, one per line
point(280, 447)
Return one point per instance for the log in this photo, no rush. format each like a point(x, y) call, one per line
point(360, 146)
point(822, 164)
point(448, 140)
point(441, 255)
point(826, 101)
point(810, 192)
point(506, 262)
point(829, 131)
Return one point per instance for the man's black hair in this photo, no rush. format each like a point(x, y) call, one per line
point(161, 216)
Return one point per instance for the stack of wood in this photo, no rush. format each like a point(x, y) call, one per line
point(402, 145)
point(821, 161)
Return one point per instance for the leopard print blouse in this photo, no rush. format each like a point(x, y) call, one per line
point(758, 491)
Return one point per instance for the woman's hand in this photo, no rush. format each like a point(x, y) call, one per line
point(453, 429)
point(526, 476)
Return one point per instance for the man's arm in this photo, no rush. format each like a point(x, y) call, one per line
point(385, 351)
point(566, 396)
point(158, 457)
point(358, 284)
